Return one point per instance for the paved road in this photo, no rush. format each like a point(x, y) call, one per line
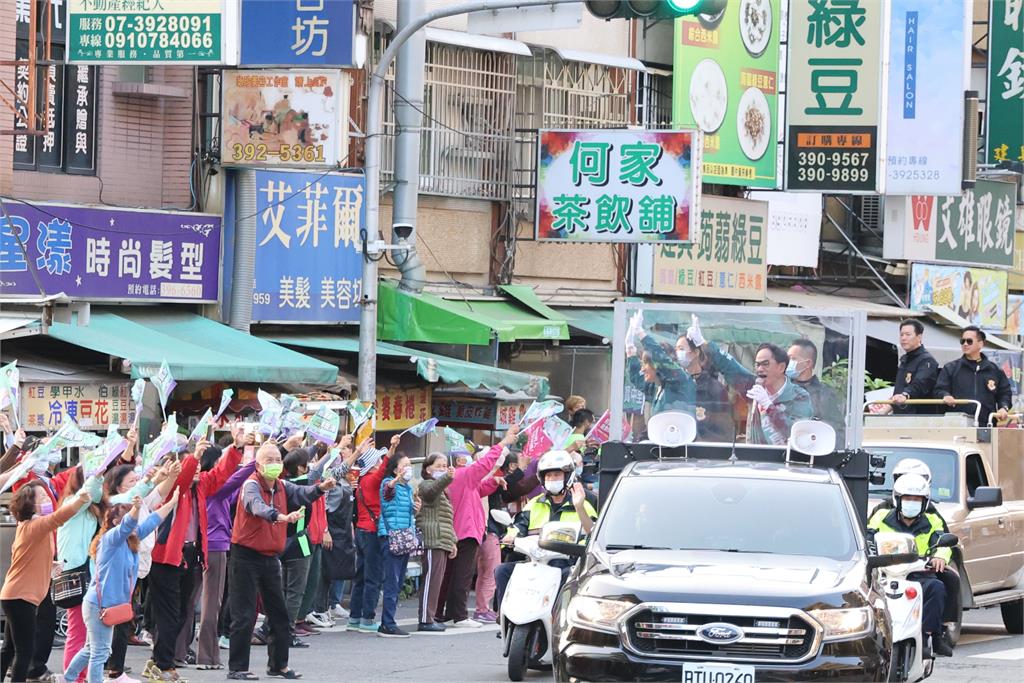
point(987, 654)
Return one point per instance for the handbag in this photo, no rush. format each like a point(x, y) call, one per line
point(116, 614)
point(69, 588)
point(400, 541)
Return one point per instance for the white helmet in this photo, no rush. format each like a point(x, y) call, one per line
point(556, 461)
point(911, 485)
point(912, 466)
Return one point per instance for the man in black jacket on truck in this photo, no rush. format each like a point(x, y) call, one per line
point(917, 371)
point(974, 377)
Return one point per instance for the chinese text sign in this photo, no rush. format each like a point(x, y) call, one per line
point(725, 260)
point(115, 254)
point(617, 185)
point(833, 99)
point(308, 259)
point(45, 407)
point(145, 31)
point(402, 408)
point(282, 118)
point(725, 82)
point(1004, 110)
point(297, 32)
point(928, 74)
point(977, 295)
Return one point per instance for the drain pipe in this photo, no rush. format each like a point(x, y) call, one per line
point(243, 275)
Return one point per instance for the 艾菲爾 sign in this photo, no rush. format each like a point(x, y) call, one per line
point(617, 185)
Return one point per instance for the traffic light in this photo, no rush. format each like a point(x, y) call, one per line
point(651, 9)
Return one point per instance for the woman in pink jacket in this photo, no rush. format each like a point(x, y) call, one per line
point(465, 492)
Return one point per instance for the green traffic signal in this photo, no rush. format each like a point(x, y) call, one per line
point(651, 9)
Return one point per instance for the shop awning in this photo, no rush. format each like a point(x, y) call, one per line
point(597, 322)
point(477, 42)
point(14, 325)
point(945, 316)
point(840, 304)
point(194, 347)
point(407, 317)
point(430, 366)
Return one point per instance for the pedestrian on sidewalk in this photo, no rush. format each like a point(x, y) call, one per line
point(436, 521)
point(397, 527)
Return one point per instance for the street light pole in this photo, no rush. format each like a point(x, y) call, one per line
point(374, 125)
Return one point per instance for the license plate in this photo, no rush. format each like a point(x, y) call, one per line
point(717, 673)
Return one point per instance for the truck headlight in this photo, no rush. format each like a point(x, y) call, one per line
point(843, 623)
point(596, 613)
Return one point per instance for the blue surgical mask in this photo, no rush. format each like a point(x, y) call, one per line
point(407, 475)
point(791, 369)
point(910, 508)
point(683, 357)
point(578, 471)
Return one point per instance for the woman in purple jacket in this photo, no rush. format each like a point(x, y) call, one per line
point(218, 534)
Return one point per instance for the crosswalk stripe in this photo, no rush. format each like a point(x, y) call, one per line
point(1014, 653)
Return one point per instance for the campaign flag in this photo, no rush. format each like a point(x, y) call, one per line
point(540, 410)
point(10, 381)
point(600, 431)
point(225, 399)
point(99, 458)
point(270, 416)
point(138, 391)
point(538, 442)
point(558, 430)
point(202, 428)
point(164, 383)
point(165, 442)
point(423, 428)
point(324, 425)
point(291, 423)
point(453, 441)
point(360, 412)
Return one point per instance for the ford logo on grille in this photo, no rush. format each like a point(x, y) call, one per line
point(719, 633)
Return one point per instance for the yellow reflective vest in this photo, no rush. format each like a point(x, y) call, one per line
point(925, 530)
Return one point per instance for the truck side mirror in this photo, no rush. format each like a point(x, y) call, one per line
point(876, 477)
point(985, 497)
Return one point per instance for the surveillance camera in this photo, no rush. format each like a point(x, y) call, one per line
point(402, 231)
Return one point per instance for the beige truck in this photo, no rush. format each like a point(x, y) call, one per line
point(978, 488)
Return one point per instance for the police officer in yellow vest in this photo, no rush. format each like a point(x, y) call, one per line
point(910, 495)
point(563, 500)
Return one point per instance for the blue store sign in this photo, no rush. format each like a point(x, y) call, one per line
point(297, 32)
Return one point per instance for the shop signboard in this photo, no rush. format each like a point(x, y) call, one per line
point(618, 185)
point(929, 70)
point(1014, 302)
point(308, 259)
point(726, 259)
point(975, 226)
point(146, 31)
point(284, 118)
point(725, 80)
point(794, 227)
point(297, 32)
point(45, 407)
point(463, 412)
point(1004, 109)
point(834, 99)
point(399, 408)
point(978, 295)
point(102, 254)
point(510, 413)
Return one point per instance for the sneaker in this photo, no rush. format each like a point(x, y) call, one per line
point(467, 623)
point(180, 663)
point(302, 629)
point(259, 637)
point(47, 676)
point(224, 643)
point(431, 628)
point(391, 632)
point(150, 669)
point(485, 617)
point(318, 620)
point(299, 643)
point(123, 678)
point(353, 625)
point(171, 676)
point(369, 627)
point(339, 612)
point(941, 647)
point(146, 637)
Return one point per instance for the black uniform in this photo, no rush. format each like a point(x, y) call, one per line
point(827, 406)
point(981, 381)
point(713, 410)
point(916, 377)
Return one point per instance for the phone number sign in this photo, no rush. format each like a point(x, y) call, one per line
point(145, 31)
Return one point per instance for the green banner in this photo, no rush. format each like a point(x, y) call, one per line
point(725, 81)
point(977, 226)
point(1005, 108)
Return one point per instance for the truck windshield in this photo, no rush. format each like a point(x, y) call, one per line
point(941, 461)
point(730, 515)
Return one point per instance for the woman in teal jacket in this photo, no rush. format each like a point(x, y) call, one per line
point(397, 512)
point(666, 385)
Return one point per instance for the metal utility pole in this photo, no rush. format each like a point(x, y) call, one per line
point(374, 123)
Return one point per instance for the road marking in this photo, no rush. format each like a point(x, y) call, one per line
point(1014, 653)
point(487, 628)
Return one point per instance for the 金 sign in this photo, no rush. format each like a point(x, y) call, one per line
point(725, 260)
point(725, 82)
point(832, 95)
point(617, 185)
point(1004, 110)
point(401, 408)
point(45, 407)
point(977, 295)
point(113, 254)
point(928, 74)
point(471, 413)
point(283, 118)
point(308, 260)
point(145, 31)
point(297, 32)
point(975, 226)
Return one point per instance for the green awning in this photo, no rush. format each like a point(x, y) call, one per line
point(194, 347)
point(404, 317)
point(597, 322)
point(430, 366)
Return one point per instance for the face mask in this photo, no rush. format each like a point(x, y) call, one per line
point(911, 508)
point(578, 471)
point(407, 475)
point(272, 470)
point(683, 357)
point(791, 371)
point(46, 508)
point(437, 474)
point(553, 487)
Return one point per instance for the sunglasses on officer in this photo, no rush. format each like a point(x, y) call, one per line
point(967, 342)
